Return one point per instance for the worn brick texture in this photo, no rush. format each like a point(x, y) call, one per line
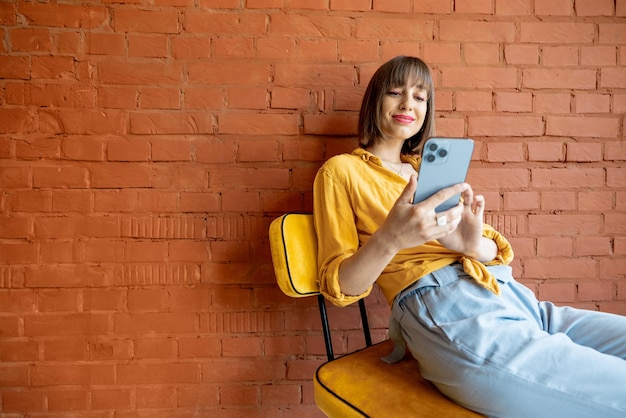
point(146, 145)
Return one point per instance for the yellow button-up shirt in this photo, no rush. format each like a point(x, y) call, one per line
point(352, 195)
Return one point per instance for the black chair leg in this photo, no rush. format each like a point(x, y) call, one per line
point(366, 325)
point(325, 327)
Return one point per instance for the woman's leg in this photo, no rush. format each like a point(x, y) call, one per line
point(492, 354)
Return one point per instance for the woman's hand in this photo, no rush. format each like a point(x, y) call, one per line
point(467, 238)
point(410, 225)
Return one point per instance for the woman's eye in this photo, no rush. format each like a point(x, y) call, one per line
point(420, 98)
point(394, 93)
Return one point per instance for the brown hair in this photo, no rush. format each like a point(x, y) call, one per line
point(394, 73)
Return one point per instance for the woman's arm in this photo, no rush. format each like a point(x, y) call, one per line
point(407, 225)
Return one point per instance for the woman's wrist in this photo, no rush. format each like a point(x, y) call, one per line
point(486, 251)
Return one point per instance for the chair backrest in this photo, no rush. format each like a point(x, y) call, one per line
point(293, 244)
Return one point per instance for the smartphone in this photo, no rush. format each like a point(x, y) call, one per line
point(445, 162)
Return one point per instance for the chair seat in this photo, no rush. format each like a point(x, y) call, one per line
point(393, 390)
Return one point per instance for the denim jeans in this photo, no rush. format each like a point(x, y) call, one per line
point(511, 355)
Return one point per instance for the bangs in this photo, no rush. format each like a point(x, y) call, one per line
point(409, 71)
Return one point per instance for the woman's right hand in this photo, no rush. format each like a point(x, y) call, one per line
point(410, 225)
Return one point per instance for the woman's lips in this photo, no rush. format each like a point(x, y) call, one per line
point(403, 118)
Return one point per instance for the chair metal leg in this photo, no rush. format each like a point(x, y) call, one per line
point(366, 325)
point(325, 327)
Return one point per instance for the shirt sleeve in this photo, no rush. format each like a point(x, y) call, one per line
point(337, 234)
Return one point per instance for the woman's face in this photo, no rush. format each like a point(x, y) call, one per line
point(403, 111)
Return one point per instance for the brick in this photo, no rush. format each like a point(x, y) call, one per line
point(476, 31)
point(514, 8)
point(67, 349)
point(505, 152)
point(557, 33)
point(149, 46)
point(234, 47)
point(279, 395)
point(243, 370)
point(567, 177)
point(521, 54)
point(111, 398)
point(31, 40)
point(381, 28)
point(155, 322)
point(330, 124)
point(584, 152)
point(598, 201)
point(83, 148)
point(68, 275)
point(593, 246)
point(61, 177)
point(299, 75)
point(598, 55)
point(14, 67)
point(17, 120)
point(113, 72)
point(560, 56)
point(52, 67)
point(258, 123)
point(317, 26)
point(146, 21)
point(275, 48)
point(110, 44)
point(551, 103)
point(473, 101)
point(479, 77)
point(582, 127)
point(184, 47)
point(19, 351)
point(594, 8)
point(317, 51)
point(65, 16)
point(565, 224)
point(199, 396)
point(228, 73)
point(505, 126)
point(481, 54)
point(159, 98)
point(233, 394)
point(155, 397)
point(558, 201)
point(208, 21)
point(521, 201)
point(150, 123)
point(120, 175)
point(592, 103)
point(514, 102)
point(583, 79)
point(243, 347)
point(612, 33)
point(159, 373)
point(546, 151)
point(74, 374)
point(23, 401)
point(613, 78)
point(555, 246)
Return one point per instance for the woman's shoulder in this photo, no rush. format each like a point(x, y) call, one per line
point(346, 160)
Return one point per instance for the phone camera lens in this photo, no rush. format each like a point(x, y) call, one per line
point(430, 158)
point(442, 153)
point(432, 147)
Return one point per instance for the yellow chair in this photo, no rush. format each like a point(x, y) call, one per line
point(358, 384)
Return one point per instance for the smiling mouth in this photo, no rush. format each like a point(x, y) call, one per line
point(403, 118)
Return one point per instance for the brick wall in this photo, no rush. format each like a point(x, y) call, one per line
point(145, 145)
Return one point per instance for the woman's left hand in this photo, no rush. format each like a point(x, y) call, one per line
point(467, 238)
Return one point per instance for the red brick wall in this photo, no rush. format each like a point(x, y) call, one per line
point(145, 145)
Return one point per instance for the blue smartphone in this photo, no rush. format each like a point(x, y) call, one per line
point(445, 162)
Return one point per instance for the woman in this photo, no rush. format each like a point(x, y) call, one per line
point(479, 336)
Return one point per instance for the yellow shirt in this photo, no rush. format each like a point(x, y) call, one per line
point(352, 195)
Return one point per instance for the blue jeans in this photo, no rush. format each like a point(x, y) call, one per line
point(511, 355)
